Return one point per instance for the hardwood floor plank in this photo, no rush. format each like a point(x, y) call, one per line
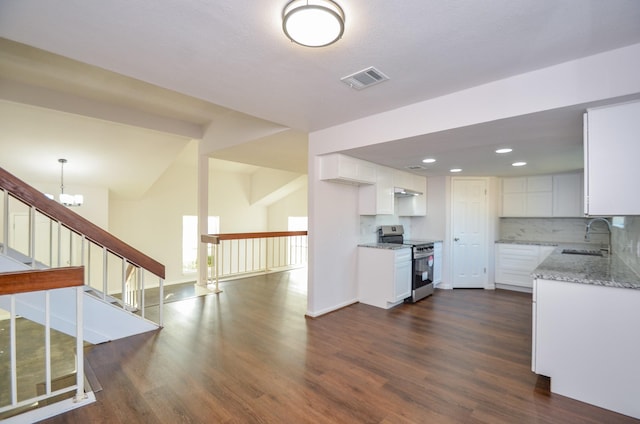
point(249, 355)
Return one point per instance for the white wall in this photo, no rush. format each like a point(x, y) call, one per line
point(331, 270)
point(96, 200)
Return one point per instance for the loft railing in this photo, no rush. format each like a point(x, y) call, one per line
point(45, 234)
point(237, 254)
point(21, 374)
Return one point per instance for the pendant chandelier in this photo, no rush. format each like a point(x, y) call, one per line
point(68, 199)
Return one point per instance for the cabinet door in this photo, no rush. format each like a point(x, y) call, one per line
point(539, 204)
point(540, 183)
point(515, 262)
point(514, 200)
point(402, 286)
point(384, 191)
point(514, 204)
point(567, 195)
point(611, 160)
point(345, 169)
point(514, 185)
point(378, 199)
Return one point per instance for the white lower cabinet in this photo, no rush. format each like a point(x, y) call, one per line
point(384, 276)
point(516, 262)
point(585, 338)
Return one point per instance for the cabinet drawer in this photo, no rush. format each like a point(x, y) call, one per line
point(514, 278)
point(519, 263)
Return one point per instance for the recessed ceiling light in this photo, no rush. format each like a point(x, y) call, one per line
point(455, 170)
point(428, 160)
point(519, 164)
point(505, 150)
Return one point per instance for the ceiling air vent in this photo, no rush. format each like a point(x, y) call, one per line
point(415, 167)
point(365, 78)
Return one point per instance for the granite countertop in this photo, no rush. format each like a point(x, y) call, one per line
point(608, 270)
point(532, 242)
point(389, 246)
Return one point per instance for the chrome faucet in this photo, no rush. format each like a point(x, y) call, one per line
point(588, 232)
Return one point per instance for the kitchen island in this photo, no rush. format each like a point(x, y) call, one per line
point(585, 316)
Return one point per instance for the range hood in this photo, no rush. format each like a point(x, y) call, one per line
point(405, 192)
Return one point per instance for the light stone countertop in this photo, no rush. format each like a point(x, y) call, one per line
point(388, 246)
point(531, 242)
point(607, 270)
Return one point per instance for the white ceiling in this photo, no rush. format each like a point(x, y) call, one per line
point(230, 55)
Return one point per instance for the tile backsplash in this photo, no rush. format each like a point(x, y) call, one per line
point(625, 235)
point(626, 241)
point(567, 230)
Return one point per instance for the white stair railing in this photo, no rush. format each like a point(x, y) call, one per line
point(240, 254)
point(41, 242)
point(19, 393)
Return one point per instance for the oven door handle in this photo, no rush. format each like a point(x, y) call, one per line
point(423, 255)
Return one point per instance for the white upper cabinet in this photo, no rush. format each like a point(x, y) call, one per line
point(377, 199)
point(344, 169)
point(542, 196)
point(567, 195)
point(612, 152)
point(527, 196)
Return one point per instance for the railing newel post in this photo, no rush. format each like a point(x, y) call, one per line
point(105, 275)
point(161, 303)
point(32, 236)
point(80, 394)
point(5, 223)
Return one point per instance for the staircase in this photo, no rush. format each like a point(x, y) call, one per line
point(63, 278)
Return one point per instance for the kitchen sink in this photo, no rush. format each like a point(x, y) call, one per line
point(582, 252)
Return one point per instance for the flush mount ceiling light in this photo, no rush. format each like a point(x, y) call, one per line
point(313, 23)
point(519, 164)
point(455, 170)
point(503, 151)
point(428, 160)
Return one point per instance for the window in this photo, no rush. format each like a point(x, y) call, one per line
point(191, 239)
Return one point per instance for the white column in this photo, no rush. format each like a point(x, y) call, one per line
point(203, 216)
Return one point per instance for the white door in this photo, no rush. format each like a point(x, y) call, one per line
point(469, 226)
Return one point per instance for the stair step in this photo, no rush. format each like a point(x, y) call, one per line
point(90, 376)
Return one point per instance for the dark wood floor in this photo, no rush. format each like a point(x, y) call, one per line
point(249, 355)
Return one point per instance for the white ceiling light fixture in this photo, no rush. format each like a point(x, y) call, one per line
point(503, 151)
point(68, 199)
point(519, 164)
point(455, 170)
point(313, 23)
point(428, 160)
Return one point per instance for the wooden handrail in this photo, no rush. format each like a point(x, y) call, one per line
point(75, 222)
point(215, 238)
point(45, 279)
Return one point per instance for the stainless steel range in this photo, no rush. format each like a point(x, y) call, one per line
point(422, 260)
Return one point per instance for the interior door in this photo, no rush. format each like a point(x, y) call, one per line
point(469, 211)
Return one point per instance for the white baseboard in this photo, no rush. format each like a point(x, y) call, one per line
point(315, 314)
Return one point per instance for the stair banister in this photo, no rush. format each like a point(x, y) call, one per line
point(29, 195)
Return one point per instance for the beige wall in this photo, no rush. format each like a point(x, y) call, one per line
point(293, 205)
point(153, 223)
